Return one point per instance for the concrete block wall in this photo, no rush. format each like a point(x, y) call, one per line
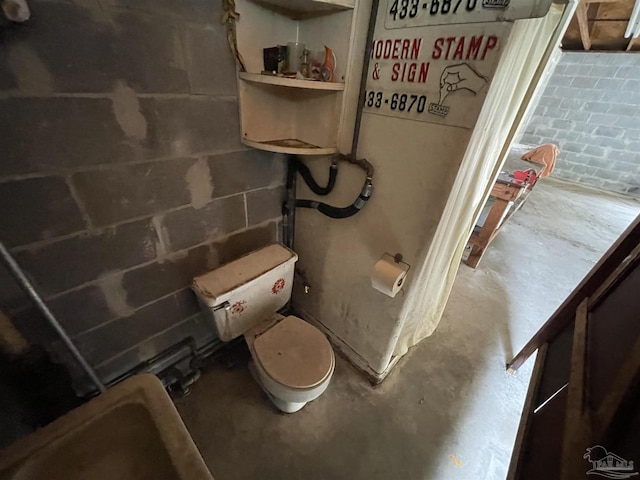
point(590, 108)
point(122, 173)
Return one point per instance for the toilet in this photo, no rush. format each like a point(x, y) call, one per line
point(291, 359)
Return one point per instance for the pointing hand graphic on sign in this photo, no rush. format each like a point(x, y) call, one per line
point(460, 77)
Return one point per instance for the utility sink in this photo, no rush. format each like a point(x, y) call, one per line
point(132, 431)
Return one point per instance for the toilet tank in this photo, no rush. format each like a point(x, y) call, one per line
point(239, 295)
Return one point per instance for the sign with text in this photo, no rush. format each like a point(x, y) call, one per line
point(421, 13)
point(437, 74)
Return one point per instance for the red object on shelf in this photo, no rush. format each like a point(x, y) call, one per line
point(526, 176)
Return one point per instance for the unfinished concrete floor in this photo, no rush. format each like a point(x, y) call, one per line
point(449, 410)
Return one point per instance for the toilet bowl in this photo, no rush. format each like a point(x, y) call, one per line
point(291, 359)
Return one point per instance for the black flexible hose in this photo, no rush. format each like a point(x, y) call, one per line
point(340, 212)
point(311, 182)
point(302, 203)
point(335, 212)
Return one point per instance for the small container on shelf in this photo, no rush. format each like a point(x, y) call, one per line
point(296, 54)
point(275, 59)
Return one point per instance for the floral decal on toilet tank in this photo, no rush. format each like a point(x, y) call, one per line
point(278, 286)
point(238, 307)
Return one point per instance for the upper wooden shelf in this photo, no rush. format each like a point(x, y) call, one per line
point(290, 82)
point(294, 146)
point(301, 9)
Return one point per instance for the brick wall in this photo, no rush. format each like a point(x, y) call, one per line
point(590, 108)
point(122, 175)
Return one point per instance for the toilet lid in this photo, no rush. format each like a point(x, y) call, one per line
point(295, 353)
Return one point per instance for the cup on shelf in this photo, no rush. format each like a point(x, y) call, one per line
point(295, 56)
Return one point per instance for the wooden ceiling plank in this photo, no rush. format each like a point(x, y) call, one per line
point(612, 11)
point(583, 24)
point(608, 35)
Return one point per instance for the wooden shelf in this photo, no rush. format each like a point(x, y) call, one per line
point(290, 82)
point(294, 146)
point(301, 9)
point(288, 115)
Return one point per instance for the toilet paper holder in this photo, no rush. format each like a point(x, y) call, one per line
point(397, 258)
point(389, 274)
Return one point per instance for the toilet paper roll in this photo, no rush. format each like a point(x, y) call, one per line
point(388, 277)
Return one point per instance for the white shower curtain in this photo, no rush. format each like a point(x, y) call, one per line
point(529, 47)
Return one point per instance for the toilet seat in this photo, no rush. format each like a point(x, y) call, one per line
point(295, 354)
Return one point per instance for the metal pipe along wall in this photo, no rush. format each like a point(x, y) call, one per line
point(29, 289)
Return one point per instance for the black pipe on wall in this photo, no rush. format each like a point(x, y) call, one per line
point(295, 165)
point(311, 182)
point(289, 206)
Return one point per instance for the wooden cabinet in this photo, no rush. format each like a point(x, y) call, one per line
point(289, 115)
